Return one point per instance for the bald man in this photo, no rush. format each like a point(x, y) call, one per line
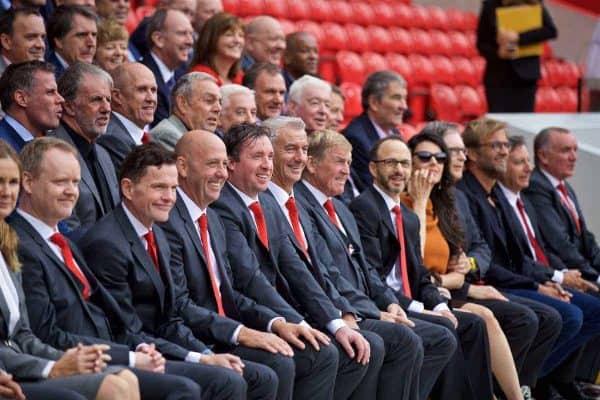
point(301, 56)
point(204, 10)
point(265, 42)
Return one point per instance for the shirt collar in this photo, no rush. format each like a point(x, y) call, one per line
point(82, 144)
point(389, 202)
point(61, 60)
point(191, 207)
point(320, 196)
point(380, 131)
point(555, 182)
point(17, 126)
point(140, 229)
point(132, 129)
point(280, 194)
point(165, 72)
point(511, 196)
point(40, 226)
point(245, 198)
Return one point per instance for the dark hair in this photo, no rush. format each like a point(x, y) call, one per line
point(440, 128)
point(61, 22)
point(516, 141)
point(7, 19)
point(20, 77)
point(442, 196)
point(251, 74)
point(336, 89)
point(376, 84)
point(156, 23)
point(542, 139)
point(375, 148)
point(150, 154)
point(72, 78)
point(240, 134)
point(208, 38)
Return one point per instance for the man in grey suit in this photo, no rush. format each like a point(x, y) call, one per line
point(196, 103)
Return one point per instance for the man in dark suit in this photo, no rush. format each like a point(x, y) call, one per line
point(383, 100)
point(86, 90)
point(580, 312)
point(72, 34)
point(170, 40)
point(24, 35)
point(130, 255)
point(213, 303)
point(31, 102)
point(391, 320)
point(65, 301)
point(133, 104)
point(269, 89)
point(258, 240)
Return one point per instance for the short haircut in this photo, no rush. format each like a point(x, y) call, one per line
point(20, 76)
point(61, 22)
point(516, 141)
point(300, 85)
point(33, 153)
point(7, 19)
point(319, 143)
point(336, 89)
point(250, 75)
point(231, 90)
point(276, 124)
point(440, 128)
point(156, 23)
point(151, 154)
point(110, 30)
point(542, 139)
point(479, 129)
point(71, 79)
point(376, 85)
point(185, 84)
point(373, 153)
point(240, 134)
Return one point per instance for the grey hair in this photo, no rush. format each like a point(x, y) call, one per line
point(299, 85)
point(376, 84)
point(68, 84)
point(183, 86)
point(542, 140)
point(276, 124)
point(232, 89)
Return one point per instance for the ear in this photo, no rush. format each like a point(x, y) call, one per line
point(116, 96)
point(5, 41)
point(127, 188)
point(26, 182)
point(372, 168)
point(311, 165)
point(181, 164)
point(58, 44)
point(291, 108)
point(156, 39)
point(373, 103)
point(20, 98)
point(181, 104)
point(69, 108)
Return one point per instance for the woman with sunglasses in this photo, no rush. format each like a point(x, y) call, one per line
point(430, 195)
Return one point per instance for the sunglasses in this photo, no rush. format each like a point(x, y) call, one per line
point(427, 156)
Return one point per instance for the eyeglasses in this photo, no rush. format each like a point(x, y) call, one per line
point(393, 163)
point(458, 150)
point(427, 156)
point(497, 145)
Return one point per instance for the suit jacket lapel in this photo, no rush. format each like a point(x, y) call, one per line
point(191, 228)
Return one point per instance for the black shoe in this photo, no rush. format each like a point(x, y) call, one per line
point(570, 391)
point(589, 389)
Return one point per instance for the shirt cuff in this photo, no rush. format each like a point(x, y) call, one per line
point(271, 322)
point(236, 334)
point(47, 369)
point(416, 306)
point(441, 307)
point(195, 357)
point(139, 346)
point(306, 324)
point(131, 359)
point(558, 277)
point(334, 325)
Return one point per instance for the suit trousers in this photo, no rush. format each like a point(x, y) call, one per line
point(511, 99)
point(155, 386)
point(47, 390)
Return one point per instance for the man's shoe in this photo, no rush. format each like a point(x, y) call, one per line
point(589, 389)
point(571, 391)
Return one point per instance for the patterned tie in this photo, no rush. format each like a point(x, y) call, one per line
point(203, 226)
point(567, 203)
point(61, 242)
point(152, 250)
point(402, 256)
point(293, 211)
point(331, 212)
point(261, 225)
point(170, 83)
point(146, 138)
point(539, 253)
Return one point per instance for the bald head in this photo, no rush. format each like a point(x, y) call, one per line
point(265, 40)
point(204, 10)
point(134, 93)
point(202, 166)
point(301, 55)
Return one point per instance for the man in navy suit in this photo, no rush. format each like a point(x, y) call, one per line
point(24, 36)
point(130, 255)
point(170, 38)
point(212, 300)
point(383, 100)
point(31, 101)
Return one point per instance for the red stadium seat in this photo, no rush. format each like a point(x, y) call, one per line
point(422, 41)
point(373, 62)
point(132, 21)
point(444, 103)
point(230, 6)
point(471, 104)
point(384, 14)
point(472, 40)
point(312, 28)
point(456, 19)
point(568, 99)
point(144, 11)
point(287, 26)
point(380, 39)
point(423, 71)
point(334, 36)
point(438, 18)
point(420, 17)
point(572, 74)
point(400, 64)
point(544, 78)
point(352, 93)
point(341, 12)
point(479, 64)
point(402, 41)
point(465, 72)
point(276, 8)
point(358, 38)
point(444, 69)
point(298, 10)
point(407, 131)
point(350, 67)
point(460, 43)
point(248, 8)
point(403, 15)
point(362, 13)
point(320, 11)
point(470, 21)
point(547, 100)
point(441, 42)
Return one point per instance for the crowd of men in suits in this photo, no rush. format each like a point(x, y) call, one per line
point(180, 240)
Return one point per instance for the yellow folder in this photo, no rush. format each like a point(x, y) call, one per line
point(521, 19)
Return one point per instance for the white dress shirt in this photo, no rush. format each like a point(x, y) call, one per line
point(132, 129)
point(165, 72)
point(322, 198)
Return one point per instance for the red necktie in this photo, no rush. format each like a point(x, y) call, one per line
point(152, 250)
point(146, 137)
point(563, 189)
point(203, 225)
point(402, 257)
point(539, 253)
point(261, 225)
point(331, 212)
point(61, 242)
point(293, 211)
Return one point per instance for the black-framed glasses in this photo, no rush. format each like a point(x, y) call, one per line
point(496, 145)
point(393, 163)
point(458, 150)
point(427, 156)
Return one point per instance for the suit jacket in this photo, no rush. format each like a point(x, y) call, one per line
point(10, 135)
point(382, 250)
point(146, 297)
point(85, 213)
point(558, 227)
point(58, 67)
point(116, 141)
point(58, 313)
point(347, 251)
point(190, 273)
point(280, 263)
point(361, 133)
point(502, 269)
point(168, 131)
point(22, 353)
point(164, 94)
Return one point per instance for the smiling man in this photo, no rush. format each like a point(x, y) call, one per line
point(87, 93)
point(309, 99)
point(269, 89)
point(301, 56)
point(265, 42)
point(239, 106)
point(22, 36)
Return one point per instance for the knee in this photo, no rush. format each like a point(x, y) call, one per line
point(236, 387)
point(285, 367)
point(327, 357)
point(190, 388)
point(113, 387)
point(130, 378)
point(448, 342)
point(572, 320)
point(377, 348)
